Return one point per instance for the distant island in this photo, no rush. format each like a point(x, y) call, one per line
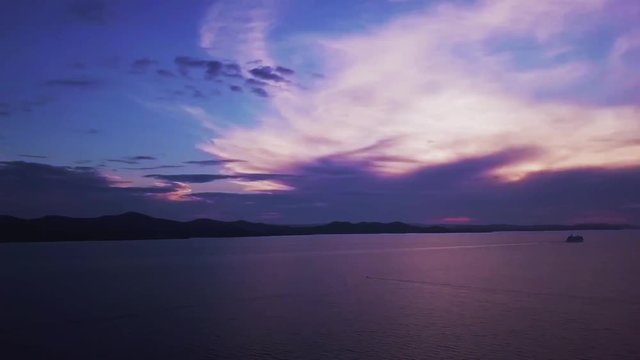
point(135, 226)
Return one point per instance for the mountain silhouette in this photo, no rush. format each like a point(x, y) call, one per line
point(136, 226)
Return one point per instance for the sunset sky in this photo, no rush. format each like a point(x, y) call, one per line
point(308, 111)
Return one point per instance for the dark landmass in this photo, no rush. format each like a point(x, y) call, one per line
point(134, 226)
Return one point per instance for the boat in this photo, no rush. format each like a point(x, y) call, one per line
point(574, 239)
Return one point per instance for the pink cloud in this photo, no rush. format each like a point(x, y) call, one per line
point(456, 220)
point(606, 217)
point(238, 29)
point(429, 81)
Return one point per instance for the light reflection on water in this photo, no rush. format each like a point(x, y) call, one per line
point(498, 296)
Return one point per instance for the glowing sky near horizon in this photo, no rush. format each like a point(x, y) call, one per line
point(292, 102)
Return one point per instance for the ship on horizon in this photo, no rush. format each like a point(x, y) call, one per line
point(574, 239)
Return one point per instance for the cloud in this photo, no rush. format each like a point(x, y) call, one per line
point(267, 73)
point(284, 71)
point(123, 161)
point(255, 83)
point(190, 178)
point(131, 160)
point(339, 189)
point(205, 178)
point(33, 156)
point(210, 68)
point(235, 88)
point(142, 64)
point(449, 83)
point(185, 63)
point(195, 92)
point(165, 73)
point(82, 168)
point(232, 70)
point(31, 190)
point(203, 117)
point(142, 157)
point(90, 11)
point(73, 82)
point(238, 29)
point(155, 167)
point(211, 162)
point(260, 92)
point(457, 220)
point(411, 113)
point(213, 68)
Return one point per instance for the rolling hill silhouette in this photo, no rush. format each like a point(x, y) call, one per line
point(135, 226)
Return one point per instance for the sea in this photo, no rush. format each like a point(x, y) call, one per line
point(507, 295)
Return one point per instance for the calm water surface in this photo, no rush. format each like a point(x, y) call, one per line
point(455, 296)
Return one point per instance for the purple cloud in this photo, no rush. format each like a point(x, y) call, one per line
point(90, 11)
point(165, 73)
point(141, 65)
point(267, 73)
point(333, 190)
point(73, 82)
point(339, 189)
point(211, 162)
point(32, 190)
point(260, 92)
point(190, 178)
point(206, 178)
point(284, 71)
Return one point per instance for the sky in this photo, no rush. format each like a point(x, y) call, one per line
point(309, 111)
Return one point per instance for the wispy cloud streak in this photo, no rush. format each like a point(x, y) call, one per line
point(445, 84)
